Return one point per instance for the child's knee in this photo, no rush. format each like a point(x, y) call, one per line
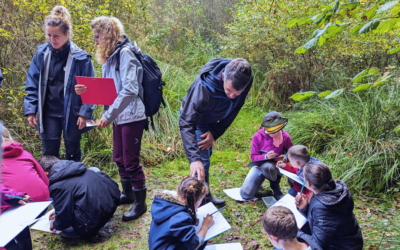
point(246, 193)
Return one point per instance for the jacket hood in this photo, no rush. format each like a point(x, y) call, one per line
point(217, 65)
point(165, 205)
point(126, 42)
point(66, 169)
point(338, 199)
point(76, 52)
point(13, 149)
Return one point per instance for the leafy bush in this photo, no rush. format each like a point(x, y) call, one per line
point(269, 32)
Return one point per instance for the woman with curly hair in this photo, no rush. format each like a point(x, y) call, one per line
point(114, 52)
point(49, 87)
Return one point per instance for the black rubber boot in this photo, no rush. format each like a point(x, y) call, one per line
point(210, 198)
point(139, 207)
point(127, 192)
point(276, 188)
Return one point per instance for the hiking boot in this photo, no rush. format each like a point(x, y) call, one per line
point(127, 196)
point(276, 188)
point(139, 207)
point(70, 233)
point(210, 198)
point(259, 195)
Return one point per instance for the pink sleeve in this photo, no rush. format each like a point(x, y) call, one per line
point(4, 190)
point(256, 154)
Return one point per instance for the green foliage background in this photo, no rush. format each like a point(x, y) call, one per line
point(340, 94)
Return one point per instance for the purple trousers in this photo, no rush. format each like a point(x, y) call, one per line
point(126, 154)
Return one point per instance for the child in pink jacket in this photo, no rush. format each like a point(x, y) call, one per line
point(21, 172)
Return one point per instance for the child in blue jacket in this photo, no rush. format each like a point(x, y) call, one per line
point(174, 217)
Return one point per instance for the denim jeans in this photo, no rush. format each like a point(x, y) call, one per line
point(253, 182)
point(205, 154)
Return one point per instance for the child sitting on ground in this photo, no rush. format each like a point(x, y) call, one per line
point(280, 225)
point(298, 156)
point(329, 211)
point(174, 217)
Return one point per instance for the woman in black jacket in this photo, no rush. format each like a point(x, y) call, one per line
point(329, 211)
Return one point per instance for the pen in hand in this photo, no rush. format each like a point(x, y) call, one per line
point(284, 157)
point(218, 210)
point(16, 197)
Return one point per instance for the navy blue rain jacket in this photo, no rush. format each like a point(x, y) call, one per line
point(332, 221)
point(207, 106)
point(83, 199)
point(79, 63)
point(172, 226)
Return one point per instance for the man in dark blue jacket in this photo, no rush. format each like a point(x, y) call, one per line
point(84, 199)
point(210, 106)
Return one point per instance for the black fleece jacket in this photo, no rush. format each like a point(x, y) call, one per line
point(332, 221)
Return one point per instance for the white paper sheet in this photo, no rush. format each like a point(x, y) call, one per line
point(225, 246)
point(288, 202)
point(220, 224)
point(43, 224)
point(15, 219)
point(291, 176)
point(234, 193)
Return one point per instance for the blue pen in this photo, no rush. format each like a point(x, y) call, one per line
point(218, 210)
point(16, 197)
point(284, 157)
point(302, 188)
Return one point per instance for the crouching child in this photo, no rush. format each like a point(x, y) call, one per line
point(84, 200)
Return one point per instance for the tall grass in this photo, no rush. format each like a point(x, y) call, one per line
point(354, 136)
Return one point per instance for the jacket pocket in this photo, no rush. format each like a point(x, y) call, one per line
point(82, 221)
point(75, 110)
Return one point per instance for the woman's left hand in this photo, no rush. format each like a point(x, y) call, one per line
point(103, 123)
point(81, 122)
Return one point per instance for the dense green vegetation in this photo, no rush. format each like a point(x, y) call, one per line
point(354, 132)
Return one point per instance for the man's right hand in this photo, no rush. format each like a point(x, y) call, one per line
point(80, 89)
point(32, 120)
point(197, 167)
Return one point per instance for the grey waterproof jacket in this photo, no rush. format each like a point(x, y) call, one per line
point(128, 107)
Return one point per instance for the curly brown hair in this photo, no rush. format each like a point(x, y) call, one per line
point(111, 31)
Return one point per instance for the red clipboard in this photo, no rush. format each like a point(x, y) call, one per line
point(100, 91)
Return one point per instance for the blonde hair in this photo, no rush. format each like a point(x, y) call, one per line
point(6, 135)
point(111, 31)
point(60, 17)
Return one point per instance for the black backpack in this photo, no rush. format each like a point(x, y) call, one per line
point(152, 83)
